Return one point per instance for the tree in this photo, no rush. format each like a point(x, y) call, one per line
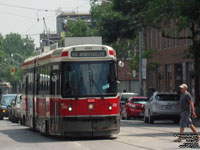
point(159, 14)
point(79, 28)
point(13, 51)
point(111, 25)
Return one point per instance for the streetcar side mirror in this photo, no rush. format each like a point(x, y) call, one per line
point(121, 64)
point(54, 78)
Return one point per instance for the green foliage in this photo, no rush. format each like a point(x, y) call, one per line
point(110, 24)
point(134, 62)
point(13, 51)
point(79, 28)
point(125, 48)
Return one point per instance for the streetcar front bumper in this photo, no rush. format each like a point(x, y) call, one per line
point(89, 126)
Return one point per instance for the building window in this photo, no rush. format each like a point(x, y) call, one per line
point(165, 39)
point(168, 78)
point(151, 37)
point(186, 34)
point(159, 78)
point(169, 38)
point(156, 39)
point(150, 79)
point(160, 40)
point(147, 40)
point(179, 40)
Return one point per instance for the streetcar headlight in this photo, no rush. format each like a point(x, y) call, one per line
point(110, 107)
point(70, 108)
point(90, 106)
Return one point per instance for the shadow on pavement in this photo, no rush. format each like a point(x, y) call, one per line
point(26, 135)
point(140, 123)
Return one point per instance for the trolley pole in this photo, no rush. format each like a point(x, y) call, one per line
point(140, 64)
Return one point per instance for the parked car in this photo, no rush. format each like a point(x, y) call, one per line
point(15, 109)
point(124, 99)
point(134, 107)
point(5, 101)
point(162, 106)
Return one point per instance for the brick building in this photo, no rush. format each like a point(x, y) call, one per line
point(174, 68)
point(127, 81)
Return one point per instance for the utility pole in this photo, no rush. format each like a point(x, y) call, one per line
point(140, 64)
point(46, 31)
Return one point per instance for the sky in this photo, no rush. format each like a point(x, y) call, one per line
point(26, 16)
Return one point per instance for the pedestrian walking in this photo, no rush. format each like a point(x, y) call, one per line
point(186, 108)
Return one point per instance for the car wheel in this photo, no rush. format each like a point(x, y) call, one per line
point(1, 118)
point(145, 119)
point(23, 121)
point(121, 116)
point(12, 119)
point(151, 120)
point(20, 121)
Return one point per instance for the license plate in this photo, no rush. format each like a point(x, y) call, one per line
point(141, 114)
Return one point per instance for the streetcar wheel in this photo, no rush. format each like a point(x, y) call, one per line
point(46, 128)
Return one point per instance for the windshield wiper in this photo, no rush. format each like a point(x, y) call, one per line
point(79, 84)
point(96, 85)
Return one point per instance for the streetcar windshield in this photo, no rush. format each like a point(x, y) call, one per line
point(88, 79)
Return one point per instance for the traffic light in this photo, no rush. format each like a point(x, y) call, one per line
point(12, 71)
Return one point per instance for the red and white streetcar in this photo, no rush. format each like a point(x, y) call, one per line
point(72, 91)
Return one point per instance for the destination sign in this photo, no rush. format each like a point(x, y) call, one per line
point(88, 54)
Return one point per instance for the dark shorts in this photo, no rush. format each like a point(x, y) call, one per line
point(186, 120)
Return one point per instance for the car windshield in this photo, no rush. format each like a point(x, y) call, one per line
point(140, 101)
point(87, 79)
point(167, 97)
point(6, 100)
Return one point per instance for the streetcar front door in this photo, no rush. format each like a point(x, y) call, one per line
point(56, 105)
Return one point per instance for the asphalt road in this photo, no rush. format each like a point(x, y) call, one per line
point(134, 135)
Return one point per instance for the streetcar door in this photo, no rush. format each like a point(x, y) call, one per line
point(55, 93)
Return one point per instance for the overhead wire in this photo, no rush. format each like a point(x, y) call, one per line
point(29, 8)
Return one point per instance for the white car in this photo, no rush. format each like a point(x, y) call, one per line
point(162, 106)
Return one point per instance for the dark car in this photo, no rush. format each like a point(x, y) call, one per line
point(5, 102)
point(134, 108)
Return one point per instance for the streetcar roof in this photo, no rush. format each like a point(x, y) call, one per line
point(59, 52)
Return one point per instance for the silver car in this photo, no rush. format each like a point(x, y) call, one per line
point(16, 109)
point(162, 106)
